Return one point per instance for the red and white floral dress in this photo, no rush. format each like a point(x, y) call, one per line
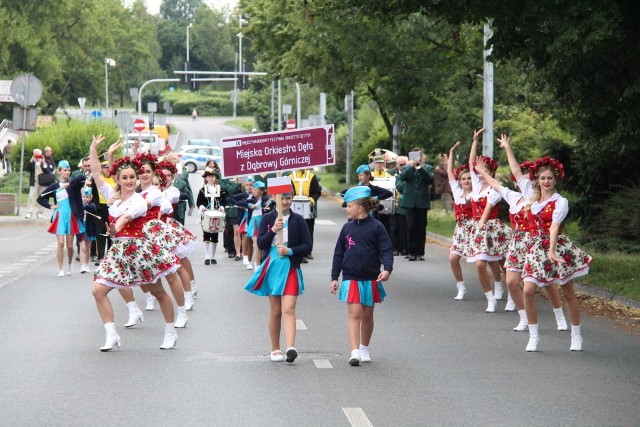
point(464, 220)
point(538, 268)
point(491, 242)
point(186, 239)
point(521, 224)
point(154, 228)
point(133, 259)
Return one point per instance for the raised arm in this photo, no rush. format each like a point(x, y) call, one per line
point(94, 160)
point(481, 168)
point(452, 151)
point(111, 152)
point(473, 154)
point(513, 163)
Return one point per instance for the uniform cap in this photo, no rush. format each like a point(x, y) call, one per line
point(258, 184)
point(63, 164)
point(356, 193)
point(362, 169)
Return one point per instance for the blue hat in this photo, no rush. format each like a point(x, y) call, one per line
point(258, 184)
point(363, 169)
point(249, 179)
point(63, 164)
point(86, 191)
point(356, 193)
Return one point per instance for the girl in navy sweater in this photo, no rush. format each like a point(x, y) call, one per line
point(362, 245)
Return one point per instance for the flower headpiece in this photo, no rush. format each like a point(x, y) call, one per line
point(491, 164)
point(168, 166)
point(557, 167)
point(460, 170)
point(525, 167)
point(125, 162)
point(147, 158)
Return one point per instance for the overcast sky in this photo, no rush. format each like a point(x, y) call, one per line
point(153, 6)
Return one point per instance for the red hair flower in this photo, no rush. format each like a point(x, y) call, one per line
point(525, 167)
point(123, 163)
point(460, 170)
point(147, 158)
point(556, 166)
point(491, 164)
point(168, 166)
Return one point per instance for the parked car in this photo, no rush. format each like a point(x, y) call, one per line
point(127, 147)
point(157, 145)
point(201, 141)
point(194, 157)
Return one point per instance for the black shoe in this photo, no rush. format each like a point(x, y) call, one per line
point(396, 253)
point(304, 261)
point(98, 261)
point(231, 255)
point(308, 256)
point(213, 261)
point(207, 262)
point(420, 258)
point(413, 258)
point(237, 258)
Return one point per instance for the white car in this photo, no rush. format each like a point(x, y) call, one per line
point(194, 157)
point(157, 146)
point(127, 147)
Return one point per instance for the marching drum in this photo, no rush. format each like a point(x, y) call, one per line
point(302, 206)
point(390, 203)
point(212, 221)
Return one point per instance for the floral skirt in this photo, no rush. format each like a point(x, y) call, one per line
point(135, 262)
point(542, 271)
point(365, 292)
point(489, 243)
point(276, 277)
point(462, 236)
point(171, 236)
point(517, 251)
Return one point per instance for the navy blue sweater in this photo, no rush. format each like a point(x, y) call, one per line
point(299, 236)
point(363, 245)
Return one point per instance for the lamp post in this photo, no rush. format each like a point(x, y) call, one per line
point(188, 26)
point(108, 62)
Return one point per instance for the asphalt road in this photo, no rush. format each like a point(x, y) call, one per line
point(436, 361)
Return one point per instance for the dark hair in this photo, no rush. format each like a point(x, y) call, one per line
point(368, 203)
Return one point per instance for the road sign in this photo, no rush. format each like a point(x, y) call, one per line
point(291, 124)
point(81, 102)
point(139, 125)
point(96, 114)
point(124, 121)
point(26, 89)
point(277, 151)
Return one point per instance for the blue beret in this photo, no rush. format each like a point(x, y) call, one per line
point(258, 184)
point(363, 169)
point(249, 179)
point(63, 164)
point(86, 191)
point(356, 193)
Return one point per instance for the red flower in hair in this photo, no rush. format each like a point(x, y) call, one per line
point(558, 168)
point(460, 170)
point(525, 167)
point(491, 164)
point(125, 162)
point(168, 166)
point(148, 158)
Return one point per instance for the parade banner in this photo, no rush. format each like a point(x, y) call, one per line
point(260, 153)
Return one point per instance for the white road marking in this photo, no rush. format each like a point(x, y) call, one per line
point(357, 417)
point(300, 326)
point(324, 222)
point(322, 364)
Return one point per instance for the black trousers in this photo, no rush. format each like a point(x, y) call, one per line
point(399, 233)
point(311, 224)
point(416, 230)
point(386, 221)
point(103, 242)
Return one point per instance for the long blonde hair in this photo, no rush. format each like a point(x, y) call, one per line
point(537, 191)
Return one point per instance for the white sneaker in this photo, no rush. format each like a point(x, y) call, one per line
point(365, 357)
point(533, 343)
point(28, 216)
point(39, 216)
point(276, 356)
point(354, 359)
point(245, 261)
point(61, 273)
point(85, 269)
point(561, 321)
point(498, 291)
point(181, 319)
point(461, 293)
point(151, 303)
point(491, 306)
point(511, 306)
point(250, 266)
point(68, 273)
point(576, 342)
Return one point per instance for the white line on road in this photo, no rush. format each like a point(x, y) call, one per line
point(324, 222)
point(300, 325)
point(322, 364)
point(357, 417)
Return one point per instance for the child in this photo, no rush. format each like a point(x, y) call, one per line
point(90, 228)
point(279, 276)
point(258, 204)
point(211, 197)
point(363, 243)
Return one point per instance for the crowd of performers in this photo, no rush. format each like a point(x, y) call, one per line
point(532, 251)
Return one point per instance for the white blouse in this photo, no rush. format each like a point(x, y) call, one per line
point(559, 213)
point(512, 198)
point(492, 195)
point(458, 193)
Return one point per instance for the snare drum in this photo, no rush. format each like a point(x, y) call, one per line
point(302, 206)
point(390, 203)
point(212, 221)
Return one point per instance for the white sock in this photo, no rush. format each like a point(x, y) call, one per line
point(364, 349)
point(214, 246)
point(575, 330)
point(245, 259)
point(489, 295)
point(557, 311)
point(207, 249)
point(460, 283)
point(497, 284)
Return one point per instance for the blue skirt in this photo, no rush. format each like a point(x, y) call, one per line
point(365, 292)
point(276, 277)
point(254, 226)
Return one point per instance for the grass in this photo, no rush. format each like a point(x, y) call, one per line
point(246, 123)
point(615, 272)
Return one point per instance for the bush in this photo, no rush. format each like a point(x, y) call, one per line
point(9, 182)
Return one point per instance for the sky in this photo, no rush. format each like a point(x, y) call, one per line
point(153, 6)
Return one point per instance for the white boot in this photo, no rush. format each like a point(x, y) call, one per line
point(188, 300)
point(181, 319)
point(135, 314)
point(576, 338)
point(170, 337)
point(151, 302)
point(194, 288)
point(560, 320)
point(491, 302)
point(533, 338)
point(511, 305)
point(461, 291)
point(498, 290)
point(523, 325)
point(113, 339)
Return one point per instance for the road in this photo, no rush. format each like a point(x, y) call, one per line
point(436, 361)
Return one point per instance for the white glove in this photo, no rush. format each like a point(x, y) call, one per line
point(201, 209)
point(191, 210)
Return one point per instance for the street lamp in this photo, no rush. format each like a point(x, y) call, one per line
point(188, 26)
point(108, 62)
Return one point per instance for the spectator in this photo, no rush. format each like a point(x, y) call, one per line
point(6, 153)
point(41, 175)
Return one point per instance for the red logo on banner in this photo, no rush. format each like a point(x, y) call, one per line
point(277, 151)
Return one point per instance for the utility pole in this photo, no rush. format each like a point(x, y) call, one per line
point(349, 107)
point(487, 111)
